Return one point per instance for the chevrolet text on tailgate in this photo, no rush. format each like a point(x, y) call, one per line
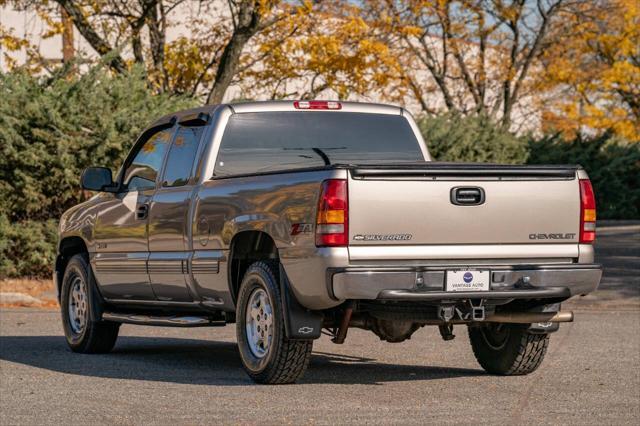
point(287, 218)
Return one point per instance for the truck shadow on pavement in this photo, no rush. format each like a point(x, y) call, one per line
point(203, 362)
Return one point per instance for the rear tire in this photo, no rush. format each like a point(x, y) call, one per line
point(508, 349)
point(267, 355)
point(83, 335)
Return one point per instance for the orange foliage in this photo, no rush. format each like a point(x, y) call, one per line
point(595, 70)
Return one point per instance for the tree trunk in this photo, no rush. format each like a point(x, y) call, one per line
point(68, 51)
point(157, 38)
point(136, 44)
point(229, 62)
point(92, 37)
point(247, 16)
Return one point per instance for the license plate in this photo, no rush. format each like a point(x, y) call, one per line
point(467, 281)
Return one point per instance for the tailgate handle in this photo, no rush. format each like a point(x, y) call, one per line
point(467, 196)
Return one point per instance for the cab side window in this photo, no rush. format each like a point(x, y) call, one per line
point(182, 155)
point(143, 171)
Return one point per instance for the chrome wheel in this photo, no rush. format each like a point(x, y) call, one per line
point(259, 323)
point(78, 305)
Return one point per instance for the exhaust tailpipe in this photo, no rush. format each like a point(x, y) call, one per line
point(530, 317)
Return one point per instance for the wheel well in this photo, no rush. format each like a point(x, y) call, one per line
point(68, 248)
point(246, 248)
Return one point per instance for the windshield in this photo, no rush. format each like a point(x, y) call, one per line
point(268, 141)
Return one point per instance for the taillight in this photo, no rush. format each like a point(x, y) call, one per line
point(587, 212)
point(332, 223)
point(317, 105)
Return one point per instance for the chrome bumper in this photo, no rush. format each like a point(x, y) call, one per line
point(427, 284)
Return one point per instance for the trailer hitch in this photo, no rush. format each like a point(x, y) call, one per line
point(446, 313)
point(473, 313)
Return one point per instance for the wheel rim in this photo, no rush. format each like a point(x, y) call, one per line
point(259, 323)
point(77, 305)
point(496, 335)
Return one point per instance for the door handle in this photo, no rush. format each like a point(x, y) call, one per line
point(142, 211)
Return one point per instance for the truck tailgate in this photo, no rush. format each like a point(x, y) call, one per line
point(499, 205)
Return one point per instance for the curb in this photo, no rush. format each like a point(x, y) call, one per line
point(19, 298)
point(626, 228)
point(616, 223)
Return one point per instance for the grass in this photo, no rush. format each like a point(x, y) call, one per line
point(44, 290)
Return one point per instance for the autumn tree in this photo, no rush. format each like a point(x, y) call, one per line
point(470, 57)
point(457, 56)
point(325, 51)
point(10, 43)
point(215, 52)
point(595, 72)
point(248, 17)
point(110, 27)
point(575, 61)
point(204, 60)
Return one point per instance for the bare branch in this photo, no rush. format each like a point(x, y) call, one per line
point(89, 33)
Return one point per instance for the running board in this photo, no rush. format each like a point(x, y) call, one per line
point(169, 321)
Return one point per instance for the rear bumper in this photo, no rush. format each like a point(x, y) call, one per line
point(427, 284)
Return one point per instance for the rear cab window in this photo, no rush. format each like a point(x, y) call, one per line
point(259, 142)
point(182, 156)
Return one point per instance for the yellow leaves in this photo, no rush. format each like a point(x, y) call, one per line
point(306, 7)
point(626, 128)
point(571, 117)
point(191, 59)
point(614, 118)
point(411, 31)
point(623, 76)
point(331, 48)
point(55, 25)
point(595, 65)
point(10, 42)
point(186, 61)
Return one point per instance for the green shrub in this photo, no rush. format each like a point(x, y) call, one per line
point(50, 130)
point(452, 137)
point(27, 248)
point(613, 166)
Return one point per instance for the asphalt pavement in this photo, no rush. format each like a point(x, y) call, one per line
point(591, 374)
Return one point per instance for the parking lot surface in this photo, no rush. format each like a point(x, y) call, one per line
point(591, 374)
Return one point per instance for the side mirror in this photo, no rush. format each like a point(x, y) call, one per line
point(97, 179)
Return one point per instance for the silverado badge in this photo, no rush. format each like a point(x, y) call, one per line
point(382, 237)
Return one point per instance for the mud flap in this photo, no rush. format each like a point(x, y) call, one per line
point(545, 327)
point(299, 322)
point(95, 298)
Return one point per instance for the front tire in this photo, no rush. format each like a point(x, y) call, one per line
point(82, 333)
point(508, 349)
point(267, 355)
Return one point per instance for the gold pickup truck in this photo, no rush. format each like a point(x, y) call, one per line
point(290, 218)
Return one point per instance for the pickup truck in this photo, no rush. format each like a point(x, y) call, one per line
point(291, 219)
